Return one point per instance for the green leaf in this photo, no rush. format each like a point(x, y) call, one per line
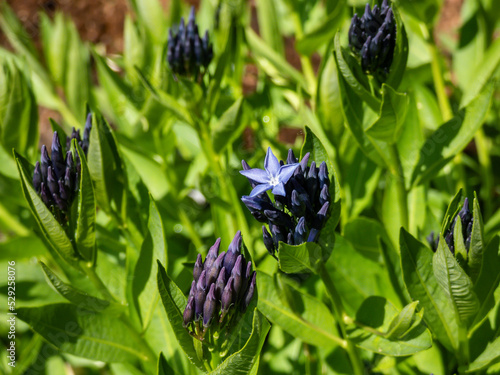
point(356, 79)
point(163, 367)
point(400, 57)
point(402, 322)
point(242, 362)
point(475, 260)
point(152, 17)
point(76, 297)
point(318, 153)
point(85, 225)
point(391, 116)
point(175, 303)
point(300, 314)
point(405, 334)
point(487, 358)
point(483, 73)
point(488, 280)
point(451, 137)
point(154, 250)
point(300, 258)
point(169, 102)
point(269, 25)
point(357, 277)
point(52, 231)
point(271, 62)
point(425, 10)
point(455, 282)
point(416, 261)
point(323, 32)
point(18, 111)
point(105, 166)
point(84, 333)
point(328, 101)
point(229, 126)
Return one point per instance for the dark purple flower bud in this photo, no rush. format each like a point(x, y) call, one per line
point(304, 162)
point(324, 195)
point(236, 274)
point(233, 251)
point(193, 289)
point(59, 202)
point(58, 161)
point(52, 181)
point(433, 242)
point(279, 218)
point(313, 235)
point(209, 308)
point(213, 272)
point(300, 234)
point(323, 175)
point(200, 295)
point(227, 296)
point(45, 163)
point(320, 219)
point(220, 283)
point(289, 238)
point(291, 159)
point(45, 194)
point(188, 315)
point(69, 180)
point(247, 297)
point(198, 268)
point(268, 240)
point(37, 177)
point(278, 235)
point(372, 38)
point(248, 271)
point(212, 255)
point(63, 192)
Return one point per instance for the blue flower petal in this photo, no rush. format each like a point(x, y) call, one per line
point(257, 175)
point(260, 189)
point(286, 171)
point(271, 163)
point(279, 190)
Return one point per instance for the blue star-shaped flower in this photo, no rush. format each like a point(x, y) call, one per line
point(275, 176)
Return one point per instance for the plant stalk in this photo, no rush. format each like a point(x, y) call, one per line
point(402, 193)
point(339, 313)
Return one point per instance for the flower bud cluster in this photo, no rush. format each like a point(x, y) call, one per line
point(223, 285)
point(299, 215)
point(467, 221)
point(373, 37)
point(187, 52)
point(56, 177)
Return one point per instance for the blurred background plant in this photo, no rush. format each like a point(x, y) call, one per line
point(277, 66)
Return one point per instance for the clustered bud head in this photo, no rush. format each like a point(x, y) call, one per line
point(373, 38)
point(56, 177)
point(466, 221)
point(300, 207)
point(187, 53)
point(223, 286)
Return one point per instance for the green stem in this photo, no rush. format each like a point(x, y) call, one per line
point(339, 313)
point(198, 347)
point(437, 76)
point(463, 356)
point(398, 174)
